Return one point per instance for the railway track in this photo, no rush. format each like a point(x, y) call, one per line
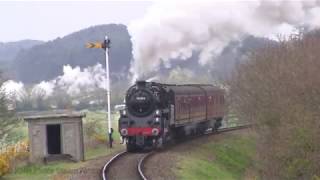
point(226, 129)
point(126, 165)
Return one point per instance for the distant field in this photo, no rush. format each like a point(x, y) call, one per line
point(102, 123)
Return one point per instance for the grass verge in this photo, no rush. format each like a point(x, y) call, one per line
point(226, 159)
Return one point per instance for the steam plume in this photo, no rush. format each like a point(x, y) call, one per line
point(73, 81)
point(176, 29)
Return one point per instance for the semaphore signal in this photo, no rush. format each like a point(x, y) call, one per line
point(105, 45)
point(99, 45)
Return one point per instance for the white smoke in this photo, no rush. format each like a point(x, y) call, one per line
point(173, 29)
point(73, 81)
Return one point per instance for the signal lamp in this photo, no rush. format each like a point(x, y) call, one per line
point(124, 112)
point(158, 112)
point(157, 119)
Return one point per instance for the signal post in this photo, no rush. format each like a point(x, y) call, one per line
point(105, 45)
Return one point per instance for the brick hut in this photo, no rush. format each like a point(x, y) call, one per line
point(55, 136)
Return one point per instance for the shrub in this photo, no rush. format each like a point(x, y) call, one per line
point(278, 89)
point(4, 166)
point(18, 151)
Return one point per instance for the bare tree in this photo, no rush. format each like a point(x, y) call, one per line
point(7, 119)
point(278, 89)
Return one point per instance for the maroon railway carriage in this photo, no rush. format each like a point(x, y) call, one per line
point(156, 113)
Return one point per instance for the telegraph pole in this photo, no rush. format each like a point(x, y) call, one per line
point(105, 45)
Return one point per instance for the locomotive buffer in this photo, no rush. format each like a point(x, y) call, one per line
point(105, 45)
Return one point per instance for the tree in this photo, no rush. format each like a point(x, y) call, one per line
point(7, 119)
point(39, 100)
point(278, 90)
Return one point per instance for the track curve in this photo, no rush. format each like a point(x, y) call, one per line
point(106, 167)
point(141, 165)
point(125, 165)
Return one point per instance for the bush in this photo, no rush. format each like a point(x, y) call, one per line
point(12, 154)
point(278, 89)
point(4, 165)
point(101, 138)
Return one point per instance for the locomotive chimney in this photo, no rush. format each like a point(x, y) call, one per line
point(141, 84)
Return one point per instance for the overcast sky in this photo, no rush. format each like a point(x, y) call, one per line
point(49, 20)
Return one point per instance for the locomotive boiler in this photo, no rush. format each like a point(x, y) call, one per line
point(156, 113)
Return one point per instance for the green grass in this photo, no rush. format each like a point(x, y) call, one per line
point(224, 160)
point(102, 126)
point(18, 133)
point(41, 172)
point(232, 120)
point(101, 150)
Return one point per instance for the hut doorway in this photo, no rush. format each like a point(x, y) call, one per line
point(54, 138)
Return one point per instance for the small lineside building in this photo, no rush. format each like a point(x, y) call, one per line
point(55, 136)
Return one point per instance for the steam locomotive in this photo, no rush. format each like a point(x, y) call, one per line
point(156, 114)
